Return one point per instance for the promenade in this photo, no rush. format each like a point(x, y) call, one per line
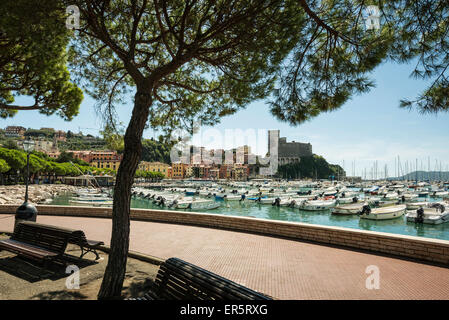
point(282, 268)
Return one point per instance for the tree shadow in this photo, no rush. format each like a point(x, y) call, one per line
point(137, 287)
point(34, 271)
point(59, 295)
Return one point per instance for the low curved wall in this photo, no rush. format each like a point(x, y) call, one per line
point(433, 250)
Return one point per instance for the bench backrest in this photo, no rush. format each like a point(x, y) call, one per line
point(78, 237)
point(75, 236)
point(42, 236)
point(180, 280)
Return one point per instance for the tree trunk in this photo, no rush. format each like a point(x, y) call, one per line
point(114, 276)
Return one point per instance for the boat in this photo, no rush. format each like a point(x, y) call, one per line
point(416, 205)
point(423, 194)
point(191, 192)
point(347, 200)
point(347, 209)
point(316, 205)
point(284, 202)
point(409, 197)
point(263, 200)
point(228, 197)
point(440, 194)
point(390, 196)
point(194, 204)
point(93, 203)
point(383, 213)
point(92, 199)
point(436, 214)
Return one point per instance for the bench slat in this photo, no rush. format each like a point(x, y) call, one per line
point(26, 248)
point(213, 283)
point(180, 280)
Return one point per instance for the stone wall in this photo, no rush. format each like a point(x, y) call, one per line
point(406, 246)
point(294, 149)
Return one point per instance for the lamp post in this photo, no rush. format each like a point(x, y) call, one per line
point(26, 212)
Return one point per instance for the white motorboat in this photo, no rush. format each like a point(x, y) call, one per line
point(264, 200)
point(347, 200)
point(431, 215)
point(383, 213)
point(348, 194)
point(194, 204)
point(347, 209)
point(440, 194)
point(330, 192)
point(284, 202)
point(409, 196)
point(390, 196)
point(93, 203)
point(317, 205)
point(416, 205)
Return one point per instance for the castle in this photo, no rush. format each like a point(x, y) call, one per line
point(288, 152)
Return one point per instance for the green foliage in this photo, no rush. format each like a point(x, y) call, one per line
point(16, 159)
point(4, 167)
point(214, 59)
point(68, 157)
point(37, 164)
point(153, 151)
point(331, 60)
point(35, 133)
point(10, 144)
point(422, 36)
point(310, 167)
point(33, 58)
point(149, 175)
point(113, 138)
point(335, 54)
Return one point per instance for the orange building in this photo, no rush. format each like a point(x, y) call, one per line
point(178, 170)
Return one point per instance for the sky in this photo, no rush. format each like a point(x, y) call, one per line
point(368, 128)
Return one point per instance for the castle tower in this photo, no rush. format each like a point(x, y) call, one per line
point(273, 135)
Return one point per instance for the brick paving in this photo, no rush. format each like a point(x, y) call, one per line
point(282, 268)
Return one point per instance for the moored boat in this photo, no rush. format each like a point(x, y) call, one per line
point(383, 213)
point(316, 205)
point(436, 214)
point(346, 209)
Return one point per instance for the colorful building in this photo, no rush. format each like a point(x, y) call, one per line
point(178, 170)
point(240, 172)
point(156, 167)
point(15, 131)
point(106, 159)
point(82, 155)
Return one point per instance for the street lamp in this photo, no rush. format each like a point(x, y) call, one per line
point(26, 211)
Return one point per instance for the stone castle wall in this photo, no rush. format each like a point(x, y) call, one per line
point(294, 149)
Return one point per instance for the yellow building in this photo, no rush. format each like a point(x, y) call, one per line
point(103, 159)
point(103, 164)
point(189, 171)
point(155, 167)
point(178, 170)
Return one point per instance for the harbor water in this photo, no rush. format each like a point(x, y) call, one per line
point(264, 211)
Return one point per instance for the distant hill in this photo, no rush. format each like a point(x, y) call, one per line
point(310, 167)
point(424, 175)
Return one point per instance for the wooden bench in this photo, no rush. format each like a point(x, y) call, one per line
point(180, 280)
point(37, 242)
point(76, 237)
point(79, 238)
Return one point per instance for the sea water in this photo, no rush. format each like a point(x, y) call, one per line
point(249, 208)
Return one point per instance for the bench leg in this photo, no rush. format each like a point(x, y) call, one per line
point(85, 251)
